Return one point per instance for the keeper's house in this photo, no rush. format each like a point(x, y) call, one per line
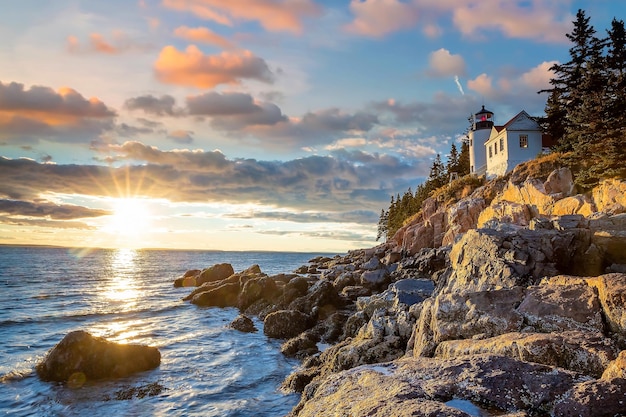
point(496, 150)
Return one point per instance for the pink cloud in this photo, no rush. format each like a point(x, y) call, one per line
point(273, 15)
point(444, 64)
point(193, 68)
point(542, 20)
point(377, 18)
point(202, 35)
point(98, 44)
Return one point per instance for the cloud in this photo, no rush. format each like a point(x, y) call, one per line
point(99, 45)
point(345, 181)
point(42, 113)
point(441, 63)
point(203, 35)
point(194, 68)
point(48, 209)
point(273, 15)
point(377, 18)
point(353, 216)
point(56, 224)
point(181, 136)
point(158, 106)
point(540, 20)
point(515, 87)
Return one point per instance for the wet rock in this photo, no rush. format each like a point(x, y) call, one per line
point(225, 295)
point(285, 324)
point(214, 273)
point(148, 390)
point(243, 323)
point(81, 357)
point(305, 344)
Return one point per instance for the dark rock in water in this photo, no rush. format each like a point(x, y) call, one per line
point(223, 296)
point(244, 324)
point(285, 324)
point(217, 272)
point(81, 357)
point(149, 390)
point(302, 345)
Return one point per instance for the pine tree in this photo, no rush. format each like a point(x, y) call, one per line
point(464, 159)
point(453, 161)
point(383, 226)
point(437, 176)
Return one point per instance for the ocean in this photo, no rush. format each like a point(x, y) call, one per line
point(207, 369)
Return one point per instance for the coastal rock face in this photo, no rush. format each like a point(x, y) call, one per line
point(422, 386)
point(81, 357)
point(517, 200)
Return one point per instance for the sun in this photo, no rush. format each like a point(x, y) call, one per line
point(131, 218)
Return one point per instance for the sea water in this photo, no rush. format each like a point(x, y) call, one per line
point(127, 296)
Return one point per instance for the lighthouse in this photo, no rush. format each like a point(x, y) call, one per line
point(478, 135)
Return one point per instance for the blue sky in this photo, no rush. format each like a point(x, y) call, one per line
point(250, 124)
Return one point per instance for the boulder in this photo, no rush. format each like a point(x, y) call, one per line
point(225, 295)
point(451, 316)
point(285, 324)
point(305, 344)
point(255, 289)
point(600, 398)
point(578, 204)
point(214, 273)
point(243, 323)
point(589, 353)
point(560, 182)
point(321, 297)
point(561, 307)
point(188, 279)
point(462, 217)
point(81, 357)
point(530, 193)
point(611, 290)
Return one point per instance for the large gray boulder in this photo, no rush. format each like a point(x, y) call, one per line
point(81, 357)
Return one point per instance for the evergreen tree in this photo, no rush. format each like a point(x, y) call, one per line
point(383, 225)
point(453, 161)
point(464, 159)
point(566, 92)
point(437, 176)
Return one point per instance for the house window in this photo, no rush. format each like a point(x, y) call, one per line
point(490, 154)
point(523, 141)
point(471, 142)
point(495, 148)
point(501, 144)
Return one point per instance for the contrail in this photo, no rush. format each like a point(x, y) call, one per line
point(458, 84)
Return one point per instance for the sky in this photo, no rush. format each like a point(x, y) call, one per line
point(282, 125)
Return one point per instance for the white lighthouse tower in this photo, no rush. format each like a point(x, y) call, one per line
point(478, 135)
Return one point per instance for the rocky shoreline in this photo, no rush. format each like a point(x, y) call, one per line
point(510, 299)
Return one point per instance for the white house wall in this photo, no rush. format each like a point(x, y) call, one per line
point(512, 155)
